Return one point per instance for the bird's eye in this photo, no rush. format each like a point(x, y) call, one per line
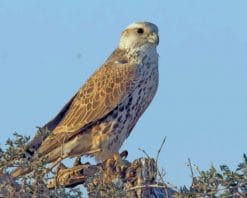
point(139, 30)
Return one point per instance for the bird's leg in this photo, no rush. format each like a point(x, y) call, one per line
point(114, 164)
point(118, 159)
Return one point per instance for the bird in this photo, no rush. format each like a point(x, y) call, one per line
point(101, 115)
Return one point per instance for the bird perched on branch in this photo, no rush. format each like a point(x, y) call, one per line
point(101, 115)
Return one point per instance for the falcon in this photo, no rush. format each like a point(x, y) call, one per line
point(101, 115)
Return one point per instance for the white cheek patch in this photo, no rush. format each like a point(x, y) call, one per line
point(127, 42)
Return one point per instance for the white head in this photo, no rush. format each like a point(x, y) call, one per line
point(138, 35)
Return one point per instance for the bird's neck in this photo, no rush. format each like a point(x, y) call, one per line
point(138, 55)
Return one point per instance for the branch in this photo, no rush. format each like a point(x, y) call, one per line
point(114, 180)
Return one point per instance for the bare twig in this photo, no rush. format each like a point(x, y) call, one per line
point(197, 169)
point(161, 146)
point(147, 186)
point(157, 158)
point(142, 150)
point(191, 168)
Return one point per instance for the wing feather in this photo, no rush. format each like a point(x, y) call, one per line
point(103, 91)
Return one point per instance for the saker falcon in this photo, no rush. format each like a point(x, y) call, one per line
point(101, 115)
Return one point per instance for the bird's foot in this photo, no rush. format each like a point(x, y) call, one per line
point(124, 154)
point(118, 158)
point(116, 162)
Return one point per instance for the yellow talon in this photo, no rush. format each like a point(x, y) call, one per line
point(119, 163)
point(117, 158)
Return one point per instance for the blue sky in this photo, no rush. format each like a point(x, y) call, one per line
point(49, 48)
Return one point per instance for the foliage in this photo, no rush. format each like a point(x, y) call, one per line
point(212, 183)
point(29, 185)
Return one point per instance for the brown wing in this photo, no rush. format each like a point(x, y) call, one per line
point(106, 88)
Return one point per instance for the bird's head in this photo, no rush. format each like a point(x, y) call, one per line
point(138, 35)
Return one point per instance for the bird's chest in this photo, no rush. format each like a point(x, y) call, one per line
point(142, 95)
point(117, 125)
point(136, 103)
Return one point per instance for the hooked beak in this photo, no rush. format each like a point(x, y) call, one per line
point(153, 38)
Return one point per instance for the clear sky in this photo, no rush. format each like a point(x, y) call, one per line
point(49, 48)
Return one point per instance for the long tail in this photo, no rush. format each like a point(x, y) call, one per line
point(30, 150)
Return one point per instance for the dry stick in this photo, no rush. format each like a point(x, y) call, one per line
point(162, 144)
point(145, 186)
point(158, 154)
point(172, 186)
point(197, 169)
point(150, 186)
point(142, 150)
point(58, 161)
point(191, 169)
point(156, 162)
